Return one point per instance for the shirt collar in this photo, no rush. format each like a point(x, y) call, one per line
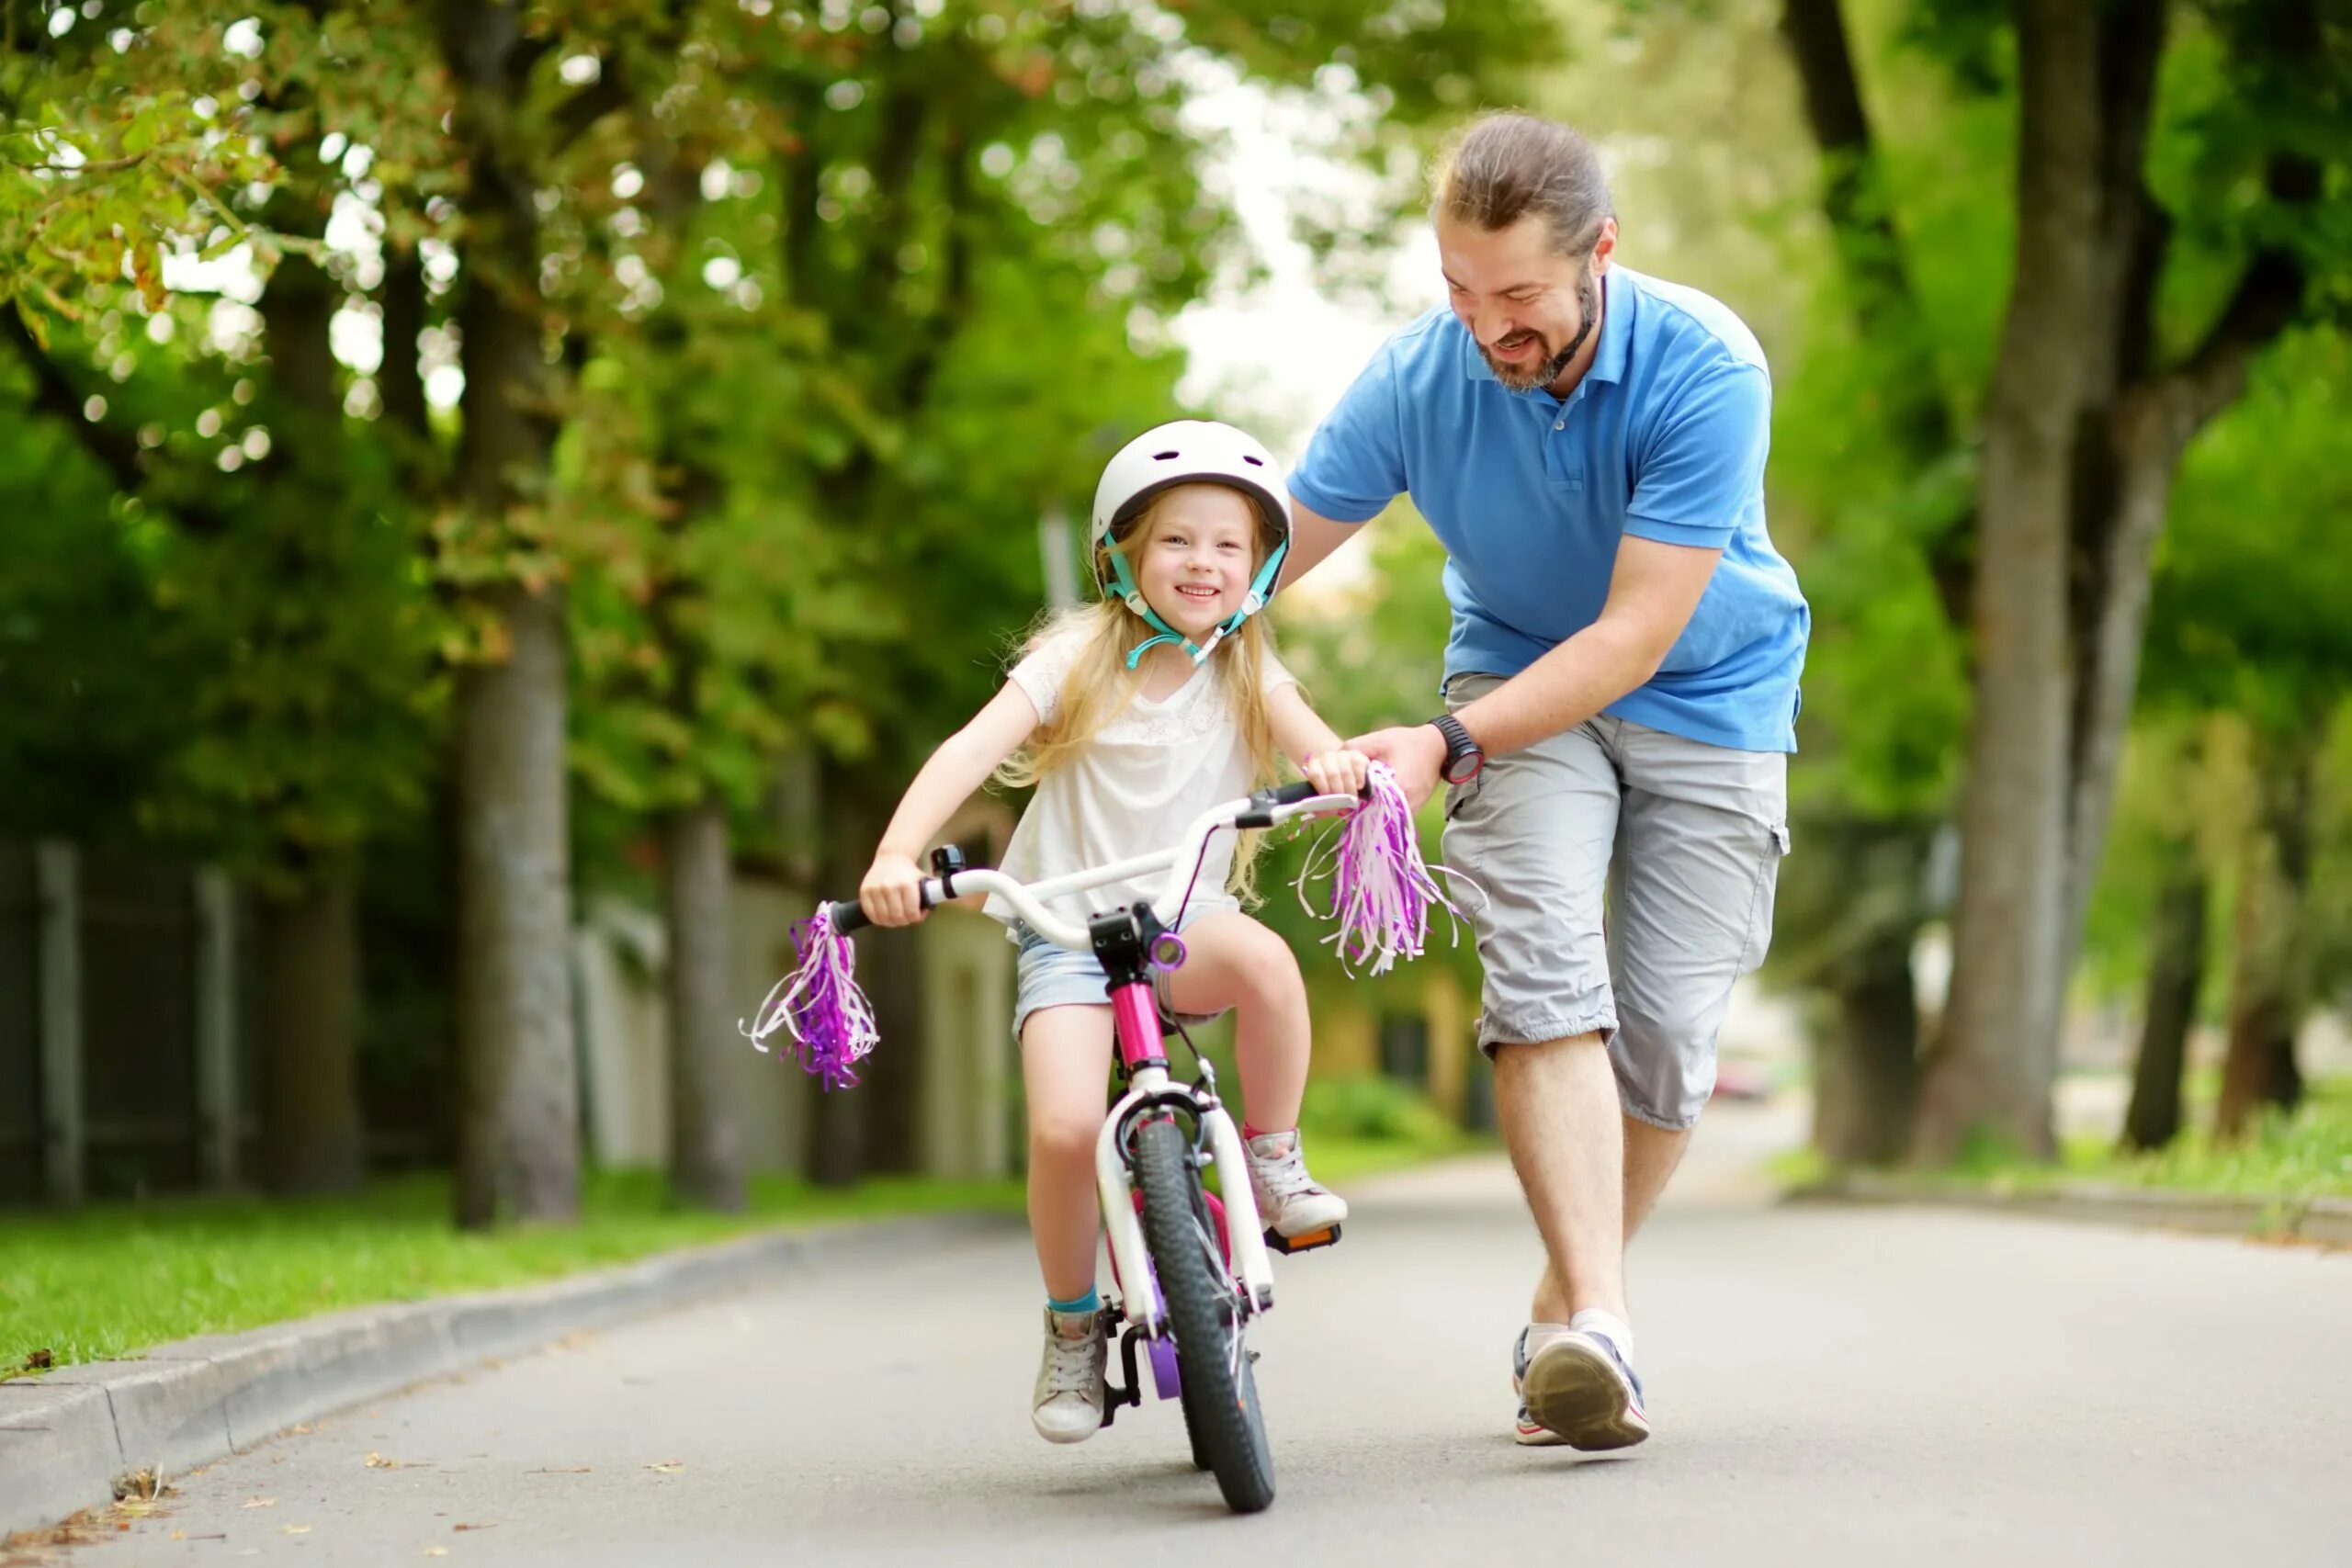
point(1607, 360)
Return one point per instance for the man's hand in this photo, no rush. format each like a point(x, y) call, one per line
point(1415, 751)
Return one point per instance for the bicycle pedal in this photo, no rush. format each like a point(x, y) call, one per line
point(1286, 1245)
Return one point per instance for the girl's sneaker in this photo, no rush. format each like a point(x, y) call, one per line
point(1290, 1201)
point(1068, 1405)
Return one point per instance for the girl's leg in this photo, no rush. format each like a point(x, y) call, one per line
point(1231, 961)
point(1066, 1065)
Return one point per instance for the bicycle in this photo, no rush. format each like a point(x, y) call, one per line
point(1191, 1267)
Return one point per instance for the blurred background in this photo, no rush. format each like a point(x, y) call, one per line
point(495, 502)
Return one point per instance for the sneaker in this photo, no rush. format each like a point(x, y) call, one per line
point(1575, 1388)
point(1529, 1433)
point(1068, 1405)
point(1290, 1203)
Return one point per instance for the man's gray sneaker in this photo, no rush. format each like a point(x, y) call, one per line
point(1577, 1388)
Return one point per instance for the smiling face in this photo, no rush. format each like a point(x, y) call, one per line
point(1531, 309)
point(1195, 555)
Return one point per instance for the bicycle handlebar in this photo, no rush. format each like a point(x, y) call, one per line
point(1263, 809)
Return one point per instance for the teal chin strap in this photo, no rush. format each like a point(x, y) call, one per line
point(1252, 603)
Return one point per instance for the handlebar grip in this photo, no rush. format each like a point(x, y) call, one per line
point(1292, 793)
point(849, 915)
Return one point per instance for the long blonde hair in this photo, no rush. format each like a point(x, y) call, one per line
point(1100, 687)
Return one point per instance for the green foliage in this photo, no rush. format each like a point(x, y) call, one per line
point(2253, 577)
point(1373, 1110)
point(124, 127)
point(82, 730)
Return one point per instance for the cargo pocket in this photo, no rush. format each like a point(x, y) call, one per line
point(1768, 879)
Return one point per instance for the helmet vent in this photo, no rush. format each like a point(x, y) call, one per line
point(1165, 456)
point(1252, 461)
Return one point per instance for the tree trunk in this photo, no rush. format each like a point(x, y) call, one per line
point(2269, 990)
point(1868, 1083)
point(401, 377)
point(2175, 974)
point(518, 1152)
point(1996, 1063)
point(705, 1139)
point(308, 948)
point(2147, 446)
point(307, 925)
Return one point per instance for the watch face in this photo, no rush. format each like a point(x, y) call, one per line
point(1461, 770)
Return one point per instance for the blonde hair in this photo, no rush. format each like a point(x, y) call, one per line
point(1100, 687)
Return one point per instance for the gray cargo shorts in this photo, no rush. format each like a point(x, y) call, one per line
point(1687, 839)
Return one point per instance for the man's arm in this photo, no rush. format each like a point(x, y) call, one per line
point(1652, 592)
point(1313, 537)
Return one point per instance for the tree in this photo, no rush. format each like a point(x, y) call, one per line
point(2248, 621)
point(2130, 202)
point(278, 594)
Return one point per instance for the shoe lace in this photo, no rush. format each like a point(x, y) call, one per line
point(1070, 1368)
point(1285, 1175)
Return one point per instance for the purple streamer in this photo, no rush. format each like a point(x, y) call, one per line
point(1381, 891)
point(819, 1006)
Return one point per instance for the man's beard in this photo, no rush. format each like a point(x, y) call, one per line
point(1552, 366)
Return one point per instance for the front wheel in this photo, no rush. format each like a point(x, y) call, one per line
point(1220, 1393)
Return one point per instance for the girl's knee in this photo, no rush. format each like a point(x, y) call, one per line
point(1267, 969)
point(1063, 1139)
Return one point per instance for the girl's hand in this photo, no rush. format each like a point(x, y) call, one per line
point(1343, 772)
point(892, 891)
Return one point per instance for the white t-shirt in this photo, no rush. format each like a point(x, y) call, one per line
point(1135, 789)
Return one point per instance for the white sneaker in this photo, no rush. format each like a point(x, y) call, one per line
point(1068, 1405)
point(1290, 1201)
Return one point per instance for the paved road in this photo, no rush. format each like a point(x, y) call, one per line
point(1830, 1387)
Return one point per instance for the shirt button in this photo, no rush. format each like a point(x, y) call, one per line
point(1560, 424)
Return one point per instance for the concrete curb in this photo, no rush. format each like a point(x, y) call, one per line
point(65, 1437)
point(2325, 1222)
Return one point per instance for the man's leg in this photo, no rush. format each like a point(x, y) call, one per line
point(1651, 1155)
point(1558, 1104)
point(1535, 831)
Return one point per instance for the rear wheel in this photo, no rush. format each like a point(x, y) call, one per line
point(1220, 1392)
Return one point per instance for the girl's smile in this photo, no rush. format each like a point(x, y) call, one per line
point(1195, 561)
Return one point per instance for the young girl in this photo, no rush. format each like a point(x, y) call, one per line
point(1133, 716)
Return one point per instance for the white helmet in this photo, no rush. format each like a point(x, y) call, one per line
point(1188, 451)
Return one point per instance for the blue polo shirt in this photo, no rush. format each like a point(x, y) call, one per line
point(1663, 439)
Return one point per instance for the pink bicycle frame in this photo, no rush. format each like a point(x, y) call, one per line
point(1135, 1014)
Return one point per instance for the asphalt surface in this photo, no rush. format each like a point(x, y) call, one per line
point(1829, 1386)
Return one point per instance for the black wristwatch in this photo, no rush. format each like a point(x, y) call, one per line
point(1463, 757)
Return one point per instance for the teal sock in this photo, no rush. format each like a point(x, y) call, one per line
point(1091, 1302)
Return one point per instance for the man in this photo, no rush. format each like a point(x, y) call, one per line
point(1622, 679)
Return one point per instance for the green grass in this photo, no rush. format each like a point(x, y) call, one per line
point(111, 1279)
point(2307, 1155)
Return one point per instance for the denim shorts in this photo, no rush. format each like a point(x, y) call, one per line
point(1051, 975)
point(1685, 842)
